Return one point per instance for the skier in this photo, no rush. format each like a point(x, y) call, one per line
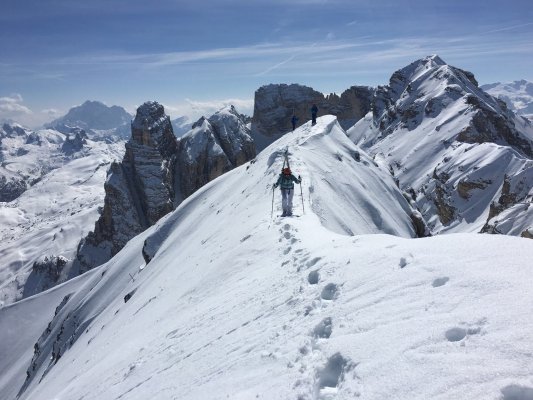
point(294, 120)
point(314, 112)
point(286, 182)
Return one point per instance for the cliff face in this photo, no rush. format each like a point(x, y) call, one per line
point(212, 147)
point(276, 104)
point(158, 172)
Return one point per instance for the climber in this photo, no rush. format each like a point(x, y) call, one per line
point(314, 112)
point(294, 121)
point(286, 182)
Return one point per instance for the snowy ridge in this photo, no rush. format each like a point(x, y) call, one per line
point(283, 308)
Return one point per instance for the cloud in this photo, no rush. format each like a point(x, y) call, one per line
point(194, 109)
point(51, 113)
point(11, 106)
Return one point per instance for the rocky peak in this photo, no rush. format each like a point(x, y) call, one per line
point(275, 104)
point(12, 130)
point(153, 128)
point(449, 142)
point(214, 146)
point(158, 173)
point(93, 115)
point(199, 123)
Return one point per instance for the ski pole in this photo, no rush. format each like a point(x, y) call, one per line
point(302, 195)
point(272, 211)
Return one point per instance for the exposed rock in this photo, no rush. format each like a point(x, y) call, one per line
point(158, 172)
point(465, 187)
point(11, 188)
point(212, 147)
point(74, 143)
point(528, 233)
point(445, 210)
point(275, 105)
point(45, 274)
point(447, 139)
point(421, 228)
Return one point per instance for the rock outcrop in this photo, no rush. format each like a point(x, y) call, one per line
point(213, 146)
point(158, 172)
point(275, 105)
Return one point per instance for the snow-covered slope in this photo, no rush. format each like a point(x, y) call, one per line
point(235, 305)
point(518, 95)
point(63, 188)
point(460, 153)
point(181, 126)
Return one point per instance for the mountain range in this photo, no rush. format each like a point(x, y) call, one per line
point(283, 307)
point(192, 286)
point(518, 95)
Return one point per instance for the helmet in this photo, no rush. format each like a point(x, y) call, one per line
point(286, 171)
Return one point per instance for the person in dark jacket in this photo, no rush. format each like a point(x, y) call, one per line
point(314, 112)
point(294, 121)
point(286, 183)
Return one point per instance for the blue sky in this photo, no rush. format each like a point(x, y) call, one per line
point(196, 56)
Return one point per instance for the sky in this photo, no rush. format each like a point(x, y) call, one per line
point(195, 57)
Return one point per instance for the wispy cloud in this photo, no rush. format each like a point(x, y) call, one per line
point(11, 106)
point(195, 109)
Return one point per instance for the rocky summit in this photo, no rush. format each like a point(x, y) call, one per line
point(275, 105)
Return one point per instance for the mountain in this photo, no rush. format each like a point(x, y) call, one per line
point(51, 187)
point(218, 300)
point(463, 156)
point(158, 172)
point(274, 106)
point(518, 95)
point(100, 121)
point(181, 126)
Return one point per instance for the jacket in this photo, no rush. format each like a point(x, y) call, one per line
point(286, 181)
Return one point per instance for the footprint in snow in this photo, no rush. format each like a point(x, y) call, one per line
point(313, 277)
point(517, 392)
point(440, 281)
point(312, 262)
point(332, 375)
point(323, 329)
point(330, 292)
point(457, 334)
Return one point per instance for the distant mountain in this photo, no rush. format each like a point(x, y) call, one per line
point(460, 154)
point(181, 126)
point(100, 121)
point(518, 95)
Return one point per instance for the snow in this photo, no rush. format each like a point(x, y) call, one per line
point(52, 215)
point(234, 304)
point(421, 115)
point(518, 95)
